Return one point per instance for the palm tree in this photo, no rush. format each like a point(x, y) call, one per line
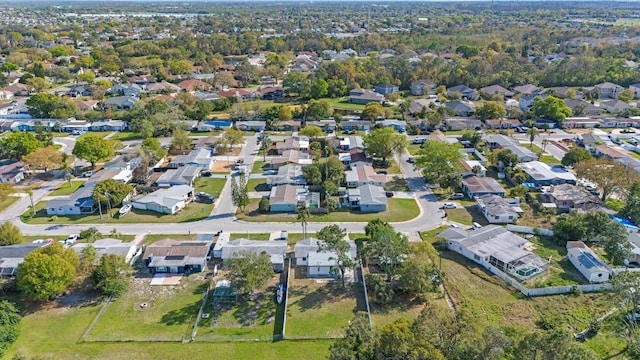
point(303, 218)
point(265, 141)
point(67, 166)
point(532, 132)
point(29, 192)
point(544, 144)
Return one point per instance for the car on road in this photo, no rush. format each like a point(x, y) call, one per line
point(270, 172)
point(71, 239)
point(411, 160)
point(389, 194)
point(448, 205)
point(87, 173)
point(456, 196)
point(475, 225)
point(419, 140)
point(381, 172)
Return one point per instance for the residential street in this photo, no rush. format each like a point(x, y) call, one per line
point(222, 217)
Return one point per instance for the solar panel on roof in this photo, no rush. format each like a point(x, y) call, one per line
point(588, 260)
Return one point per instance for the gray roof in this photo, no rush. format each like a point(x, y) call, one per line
point(540, 171)
point(166, 197)
point(372, 195)
point(106, 246)
point(479, 184)
point(182, 175)
point(492, 240)
point(283, 194)
point(81, 197)
point(496, 206)
point(290, 174)
point(200, 156)
point(236, 247)
point(304, 247)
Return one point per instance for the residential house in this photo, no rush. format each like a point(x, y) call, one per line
point(291, 157)
point(528, 89)
point(502, 123)
point(11, 256)
point(498, 210)
point(608, 90)
point(6, 95)
point(126, 90)
point(86, 104)
point(474, 186)
point(184, 175)
point(611, 153)
point(569, 197)
point(461, 108)
point(283, 198)
point(582, 107)
point(251, 125)
point(636, 90)
point(11, 172)
point(589, 141)
point(386, 89)
point(456, 124)
point(363, 175)
point(121, 102)
point(541, 174)
point(109, 246)
point(397, 125)
point(271, 93)
point(496, 141)
point(526, 101)
point(79, 90)
point(614, 106)
point(299, 143)
point(175, 257)
point(366, 198)
point(163, 87)
point(493, 246)
point(470, 165)
point(214, 125)
point(587, 262)
point(289, 174)
point(17, 89)
point(581, 123)
point(356, 158)
point(355, 125)
point(197, 157)
point(164, 201)
point(363, 97)
point(493, 90)
point(240, 94)
point(193, 85)
point(74, 125)
point(311, 254)
point(5, 109)
point(275, 249)
point(419, 105)
point(423, 87)
point(79, 203)
point(108, 125)
point(351, 142)
point(327, 125)
point(465, 92)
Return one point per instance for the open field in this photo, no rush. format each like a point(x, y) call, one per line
point(344, 104)
point(152, 313)
point(321, 309)
point(65, 189)
point(397, 210)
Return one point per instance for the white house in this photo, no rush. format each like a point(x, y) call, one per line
point(319, 263)
point(498, 210)
point(275, 249)
point(587, 262)
point(184, 175)
point(165, 201)
point(364, 175)
point(494, 246)
point(109, 246)
point(198, 157)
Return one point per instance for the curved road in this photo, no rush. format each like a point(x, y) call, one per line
point(222, 218)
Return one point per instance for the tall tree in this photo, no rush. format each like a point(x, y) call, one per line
point(632, 206)
point(44, 159)
point(111, 276)
point(10, 234)
point(239, 192)
point(9, 325)
point(233, 137)
point(551, 108)
point(575, 155)
point(334, 240)
point(303, 217)
point(372, 111)
point(46, 272)
point(93, 149)
point(610, 176)
point(388, 249)
point(17, 144)
point(29, 192)
point(358, 342)
point(180, 140)
point(249, 270)
point(491, 110)
point(44, 105)
point(436, 159)
point(265, 143)
point(383, 143)
point(532, 132)
point(311, 131)
point(153, 148)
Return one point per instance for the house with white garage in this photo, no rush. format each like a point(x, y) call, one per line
point(366, 198)
point(587, 262)
point(493, 246)
point(275, 249)
point(11, 172)
point(165, 201)
point(363, 175)
point(498, 210)
point(79, 203)
point(309, 254)
point(541, 174)
point(198, 157)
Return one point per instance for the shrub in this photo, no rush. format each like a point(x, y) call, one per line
point(263, 206)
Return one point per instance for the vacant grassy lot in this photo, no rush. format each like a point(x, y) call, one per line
point(413, 148)
point(101, 134)
point(259, 184)
point(65, 189)
point(211, 186)
point(126, 135)
point(397, 210)
point(169, 314)
point(392, 167)
point(8, 201)
point(321, 310)
point(344, 104)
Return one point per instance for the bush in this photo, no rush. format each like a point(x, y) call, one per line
point(263, 206)
point(381, 292)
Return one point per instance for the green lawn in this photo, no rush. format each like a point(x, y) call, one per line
point(169, 314)
point(321, 310)
point(413, 149)
point(392, 168)
point(250, 236)
point(560, 272)
point(193, 212)
point(65, 189)
point(397, 184)
point(126, 135)
point(8, 201)
point(258, 167)
point(258, 184)
point(460, 215)
point(397, 210)
point(293, 238)
point(344, 104)
point(101, 134)
point(211, 186)
point(548, 159)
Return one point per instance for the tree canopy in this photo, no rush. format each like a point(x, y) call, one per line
point(111, 277)
point(551, 108)
point(17, 144)
point(10, 234)
point(383, 143)
point(436, 159)
point(610, 176)
point(45, 106)
point(249, 270)
point(93, 149)
point(9, 325)
point(333, 237)
point(47, 272)
point(575, 155)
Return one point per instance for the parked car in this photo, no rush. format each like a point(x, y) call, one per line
point(207, 174)
point(418, 141)
point(71, 239)
point(456, 196)
point(87, 173)
point(389, 194)
point(448, 205)
point(270, 172)
point(205, 198)
point(381, 172)
point(475, 225)
point(411, 160)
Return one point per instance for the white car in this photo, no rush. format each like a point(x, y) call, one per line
point(71, 239)
point(449, 205)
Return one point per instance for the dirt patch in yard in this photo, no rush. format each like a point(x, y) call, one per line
point(221, 166)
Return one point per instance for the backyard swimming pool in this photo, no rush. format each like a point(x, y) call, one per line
point(626, 223)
